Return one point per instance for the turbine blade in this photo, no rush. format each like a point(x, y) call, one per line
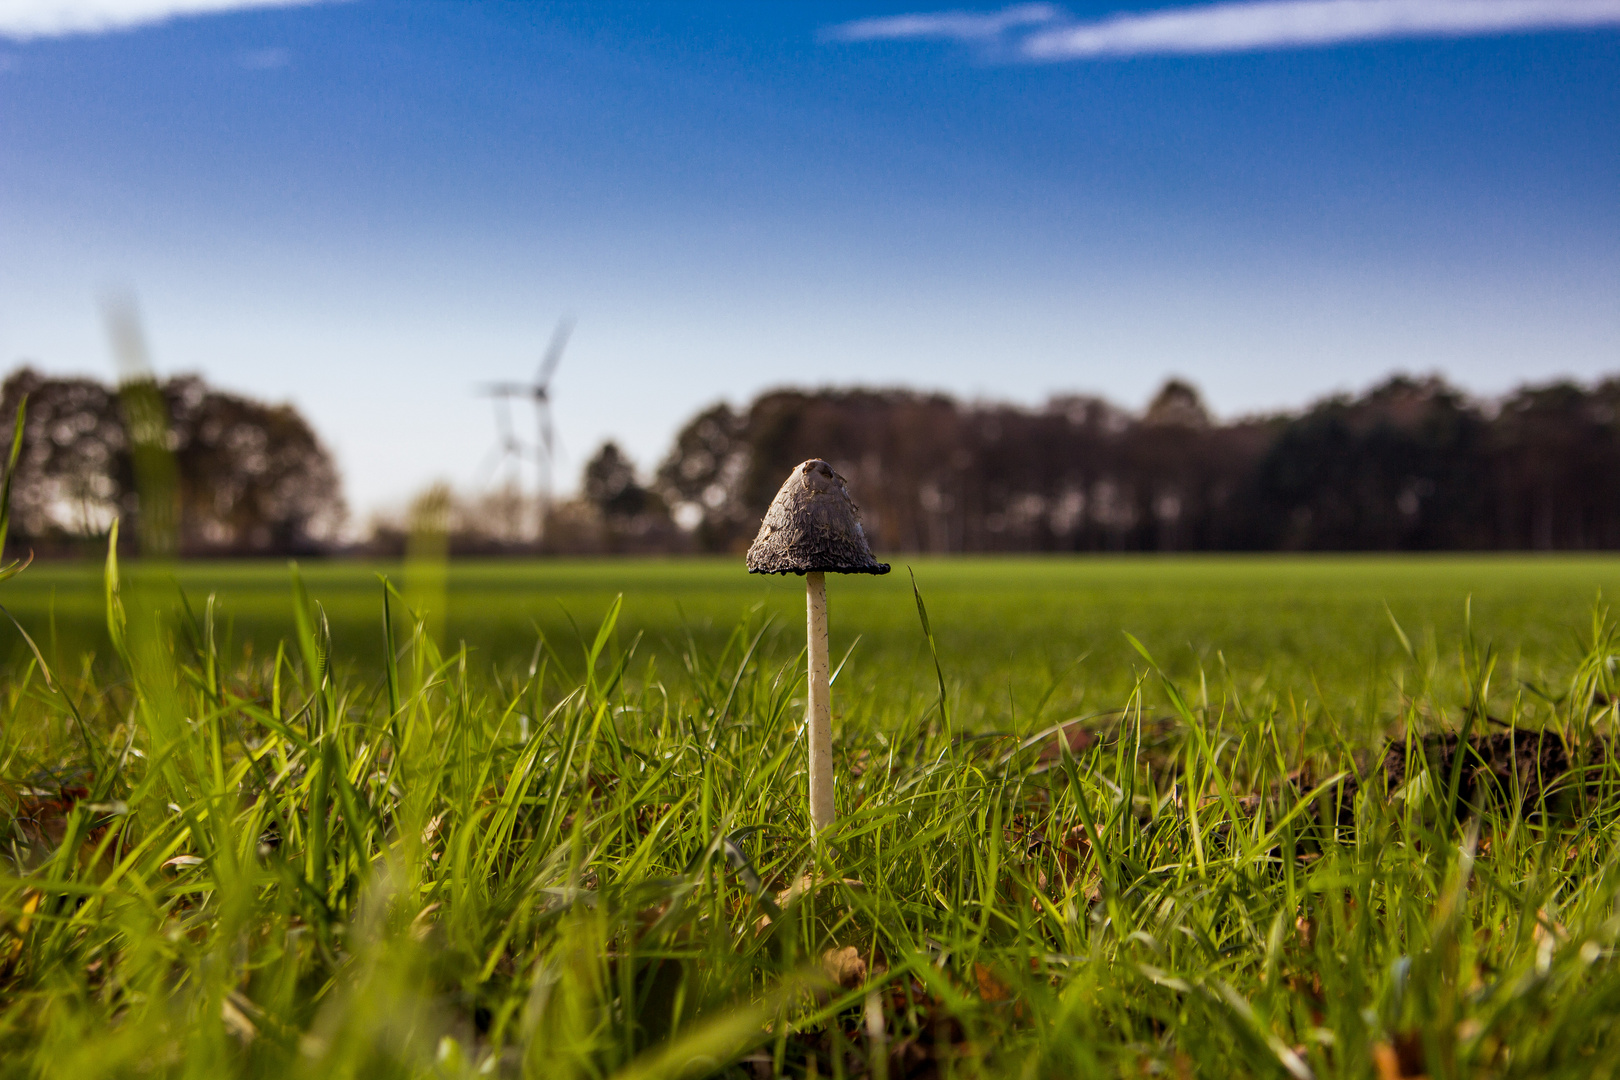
point(486, 467)
point(550, 445)
point(503, 420)
point(553, 355)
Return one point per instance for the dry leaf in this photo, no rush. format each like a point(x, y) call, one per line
point(1384, 1059)
point(991, 988)
point(236, 1021)
point(1400, 1060)
point(844, 966)
point(807, 883)
point(1079, 739)
point(421, 926)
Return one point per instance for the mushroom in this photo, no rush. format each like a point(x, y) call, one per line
point(814, 529)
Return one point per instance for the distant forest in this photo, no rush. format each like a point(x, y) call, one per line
point(1413, 464)
point(240, 477)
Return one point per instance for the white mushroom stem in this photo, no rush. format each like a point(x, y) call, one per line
point(819, 718)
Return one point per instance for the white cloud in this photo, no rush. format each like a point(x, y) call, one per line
point(21, 20)
point(1272, 24)
point(1043, 32)
point(951, 25)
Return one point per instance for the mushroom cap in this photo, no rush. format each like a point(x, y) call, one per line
point(812, 525)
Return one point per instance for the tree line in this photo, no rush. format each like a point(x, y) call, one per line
point(1411, 464)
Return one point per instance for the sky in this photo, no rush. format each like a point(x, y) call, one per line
point(369, 208)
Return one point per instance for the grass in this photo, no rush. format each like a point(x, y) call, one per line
point(1315, 627)
point(552, 834)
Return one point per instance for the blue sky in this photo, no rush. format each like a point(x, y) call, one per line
point(369, 207)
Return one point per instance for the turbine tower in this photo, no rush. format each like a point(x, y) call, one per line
point(508, 447)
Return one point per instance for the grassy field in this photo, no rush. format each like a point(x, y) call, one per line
point(1008, 629)
point(523, 827)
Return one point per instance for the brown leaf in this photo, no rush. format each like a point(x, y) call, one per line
point(1400, 1060)
point(1385, 1061)
point(991, 988)
point(844, 966)
point(41, 815)
point(1079, 739)
point(1073, 852)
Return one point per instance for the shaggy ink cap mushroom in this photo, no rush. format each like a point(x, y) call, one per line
point(813, 526)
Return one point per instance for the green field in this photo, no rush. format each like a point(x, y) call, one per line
point(1315, 627)
point(531, 829)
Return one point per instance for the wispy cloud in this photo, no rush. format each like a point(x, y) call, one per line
point(1274, 24)
point(21, 20)
point(1044, 32)
point(265, 59)
point(950, 25)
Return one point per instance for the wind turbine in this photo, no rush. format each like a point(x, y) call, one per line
point(508, 446)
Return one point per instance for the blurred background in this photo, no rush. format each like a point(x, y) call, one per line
point(583, 278)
